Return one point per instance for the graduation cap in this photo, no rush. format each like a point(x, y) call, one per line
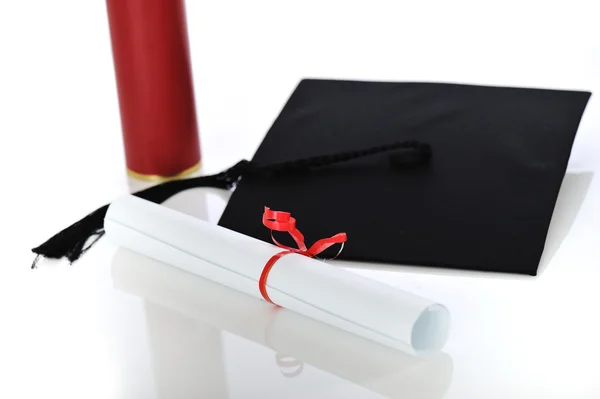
point(434, 174)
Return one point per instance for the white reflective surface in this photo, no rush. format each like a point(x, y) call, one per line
point(119, 325)
point(114, 327)
point(237, 334)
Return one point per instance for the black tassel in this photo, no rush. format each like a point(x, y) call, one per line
point(71, 242)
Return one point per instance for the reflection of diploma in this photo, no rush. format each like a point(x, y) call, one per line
point(312, 288)
point(389, 372)
point(187, 356)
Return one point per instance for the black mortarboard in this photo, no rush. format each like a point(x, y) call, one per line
point(471, 184)
point(484, 201)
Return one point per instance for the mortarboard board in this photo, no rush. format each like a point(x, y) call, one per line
point(472, 184)
point(483, 202)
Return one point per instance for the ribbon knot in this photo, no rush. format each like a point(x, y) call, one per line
point(284, 222)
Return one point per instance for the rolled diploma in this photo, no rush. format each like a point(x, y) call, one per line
point(315, 289)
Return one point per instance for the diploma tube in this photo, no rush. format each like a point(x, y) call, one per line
point(155, 87)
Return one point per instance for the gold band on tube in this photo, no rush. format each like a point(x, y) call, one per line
point(159, 178)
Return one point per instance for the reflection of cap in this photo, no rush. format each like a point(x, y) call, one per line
point(471, 184)
point(484, 201)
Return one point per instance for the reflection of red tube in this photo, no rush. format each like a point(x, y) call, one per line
point(155, 87)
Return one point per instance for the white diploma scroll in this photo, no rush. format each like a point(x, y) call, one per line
point(313, 288)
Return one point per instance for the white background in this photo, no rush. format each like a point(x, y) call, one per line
point(61, 156)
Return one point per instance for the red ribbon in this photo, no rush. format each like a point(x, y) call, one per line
point(283, 221)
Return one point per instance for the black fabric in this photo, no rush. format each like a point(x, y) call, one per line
point(72, 242)
point(484, 201)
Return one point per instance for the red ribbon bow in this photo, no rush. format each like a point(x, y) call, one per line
point(283, 221)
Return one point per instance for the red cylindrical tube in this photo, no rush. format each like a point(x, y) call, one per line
point(155, 87)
